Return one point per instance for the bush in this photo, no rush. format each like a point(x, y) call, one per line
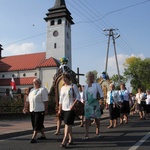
point(11, 105)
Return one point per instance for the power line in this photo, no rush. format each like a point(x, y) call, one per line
point(25, 39)
point(79, 12)
point(111, 12)
point(125, 8)
point(88, 6)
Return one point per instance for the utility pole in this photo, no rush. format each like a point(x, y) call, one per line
point(111, 34)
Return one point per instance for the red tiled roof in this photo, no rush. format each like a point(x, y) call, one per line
point(18, 81)
point(51, 62)
point(26, 62)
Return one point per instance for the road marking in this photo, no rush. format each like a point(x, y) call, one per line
point(136, 145)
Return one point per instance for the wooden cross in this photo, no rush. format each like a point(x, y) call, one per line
point(78, 74)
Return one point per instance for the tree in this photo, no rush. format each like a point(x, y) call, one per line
point(116, 82)
point(138, 71)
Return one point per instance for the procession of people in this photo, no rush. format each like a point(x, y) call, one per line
point(120, 104)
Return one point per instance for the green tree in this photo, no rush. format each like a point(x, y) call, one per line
point(138, 71)
point(116, 82)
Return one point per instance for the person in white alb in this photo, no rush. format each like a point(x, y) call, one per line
point(38, 106)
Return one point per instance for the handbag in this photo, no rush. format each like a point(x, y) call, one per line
point(102, 106)
point(79, 108)
point(98, 95)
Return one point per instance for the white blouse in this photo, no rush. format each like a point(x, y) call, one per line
point(36, 99)
point(115, 95)
point(125, 94)
point(67, 95)
point(148, 100)
point(139, 97)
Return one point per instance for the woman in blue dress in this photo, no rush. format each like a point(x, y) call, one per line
point(92, 106)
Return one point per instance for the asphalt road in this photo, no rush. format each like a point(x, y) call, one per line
point(131, 136)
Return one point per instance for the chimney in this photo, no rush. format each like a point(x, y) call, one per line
point(1, 51)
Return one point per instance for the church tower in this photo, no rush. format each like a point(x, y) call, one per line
point(59, 23)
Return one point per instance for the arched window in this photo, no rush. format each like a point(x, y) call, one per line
point(59, 21)
point(52, 22)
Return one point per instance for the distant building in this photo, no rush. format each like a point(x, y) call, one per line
point(44, 65)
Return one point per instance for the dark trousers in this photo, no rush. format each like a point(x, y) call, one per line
point(37, 120)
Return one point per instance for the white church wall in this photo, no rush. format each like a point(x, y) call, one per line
point(47, 75)
point(18, 74)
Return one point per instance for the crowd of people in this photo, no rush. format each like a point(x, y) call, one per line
point(120, 103)
point(141, 103)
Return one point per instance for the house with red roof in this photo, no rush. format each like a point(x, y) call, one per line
point(43, 65)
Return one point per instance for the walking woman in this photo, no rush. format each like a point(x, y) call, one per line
point(37, 101)
point(125, 98)
point(81, 87)
point(92, 107)
point(69, 95)
point(113, 105)
point(140, 97)
point(147, 107)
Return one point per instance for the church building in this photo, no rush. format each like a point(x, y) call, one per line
point(43, 65)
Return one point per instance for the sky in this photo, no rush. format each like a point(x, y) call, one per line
point(23, 31)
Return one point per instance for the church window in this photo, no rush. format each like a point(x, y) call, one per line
point(59, 21)
point(35, 74)
point(55, 45)
point(3, 76)
point(13, 75)
point(52, 22)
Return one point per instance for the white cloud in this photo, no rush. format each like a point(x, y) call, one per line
point(140, 55)
point(15, 49)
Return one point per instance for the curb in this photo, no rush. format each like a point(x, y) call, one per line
point(21, 133)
